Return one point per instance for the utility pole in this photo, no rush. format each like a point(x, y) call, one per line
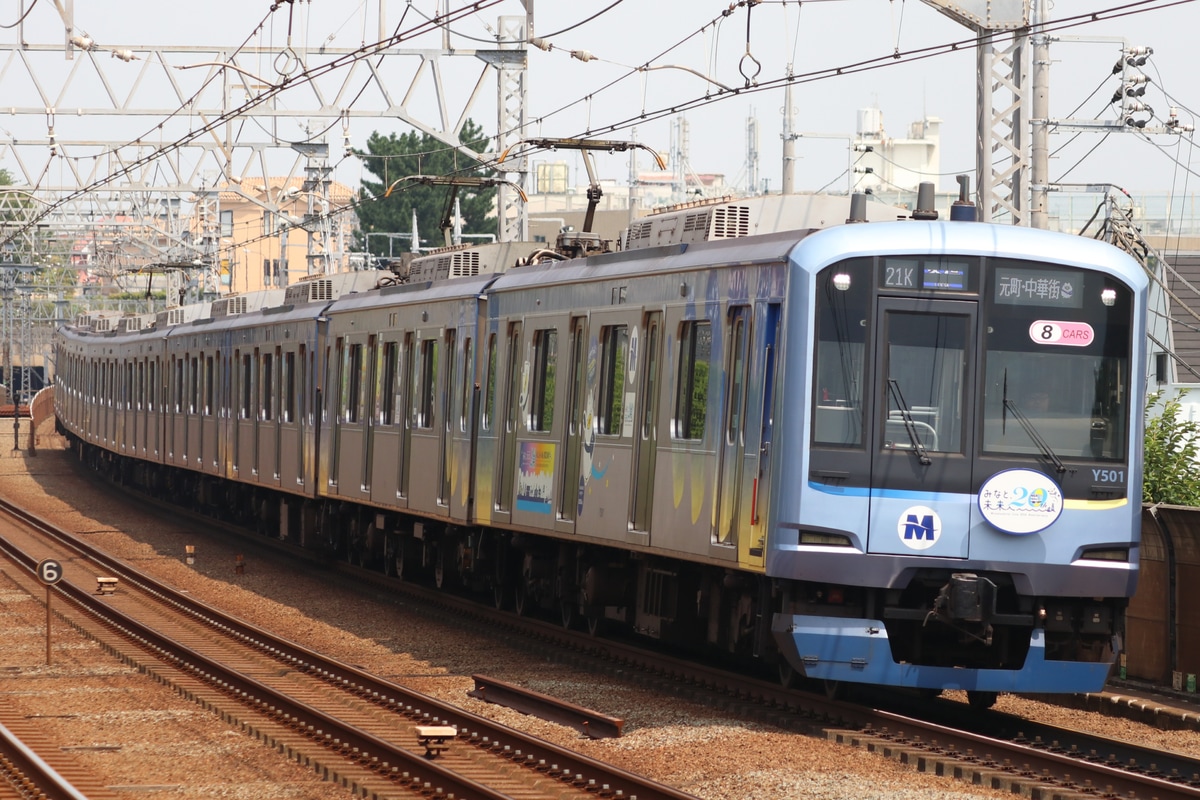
point(789, 138)
point(1039, 173)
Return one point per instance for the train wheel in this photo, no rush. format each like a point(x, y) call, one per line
point(570, 613)
point(439, 567)
point(594, 621)
point(982, 701)
point(788, 677)
point(401, 545)
point(389, 556)
point(520, 598)
point(499, 587)
point(834, 690)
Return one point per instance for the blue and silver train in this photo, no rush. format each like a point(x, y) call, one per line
point(903, 453)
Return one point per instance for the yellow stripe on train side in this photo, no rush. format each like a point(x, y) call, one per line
point(1094, 505)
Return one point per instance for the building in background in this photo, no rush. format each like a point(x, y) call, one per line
point(275, 235)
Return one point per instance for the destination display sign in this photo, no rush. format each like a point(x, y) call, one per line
point(1057, 288)
point(925, 275)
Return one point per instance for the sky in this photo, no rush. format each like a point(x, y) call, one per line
point(700, 51)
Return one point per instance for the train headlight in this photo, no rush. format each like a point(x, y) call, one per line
point(1108, 296)
point(841, 282)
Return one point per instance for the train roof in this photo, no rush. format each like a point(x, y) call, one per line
point(968, 239)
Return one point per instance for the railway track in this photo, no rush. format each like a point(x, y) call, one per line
point(25, 773)
point(371, 735)
point(1014, 755)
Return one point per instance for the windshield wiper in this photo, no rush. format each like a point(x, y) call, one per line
point(909, 424)
point(1009, 405)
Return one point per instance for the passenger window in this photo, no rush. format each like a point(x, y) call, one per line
point(691, 391)
point(545, 362)
point(614, 353)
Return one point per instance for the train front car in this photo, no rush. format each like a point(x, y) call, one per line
point(961, 476)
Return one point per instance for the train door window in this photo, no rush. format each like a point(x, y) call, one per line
point(736, 401)
point(247, 410)
point(614, 354)
point(287, 409)
point(129, 393)
point(193, 384)
point(545, 363)
point(451, 377)
point(141, 385)
point(691, 391)
point(209, 386)
point(178, 385)
point(352, 383)
point(151, 385)
point(650, 382)
point(387, 382)
point(468, 385)
point(489, 384)
point(926, 362)
point(268, 387)
point(425, 383)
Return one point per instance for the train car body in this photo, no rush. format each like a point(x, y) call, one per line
point(898, 453)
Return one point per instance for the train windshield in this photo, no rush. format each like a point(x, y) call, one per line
point(1056, 362)
point(896, 369)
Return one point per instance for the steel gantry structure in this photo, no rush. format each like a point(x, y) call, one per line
point(119, 152)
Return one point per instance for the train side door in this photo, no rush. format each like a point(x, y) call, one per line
point(446, 451)
point(569, 488)
point(646, 435)
point(758, 435)
point(920, 472)
point(368, 393)
point(733, 432)
point(514, 377)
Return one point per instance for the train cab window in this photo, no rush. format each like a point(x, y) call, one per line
point(545, 363)
point(843, 313)
point(691, 390)
point(1056, 364)
point(614, 354)
point(426, 383)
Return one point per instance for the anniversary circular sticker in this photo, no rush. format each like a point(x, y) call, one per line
point(1020, 501)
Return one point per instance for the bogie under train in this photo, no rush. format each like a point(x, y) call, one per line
point(901, 453)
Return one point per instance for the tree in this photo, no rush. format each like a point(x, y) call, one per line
point(393, 157)
point(1170, 470)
